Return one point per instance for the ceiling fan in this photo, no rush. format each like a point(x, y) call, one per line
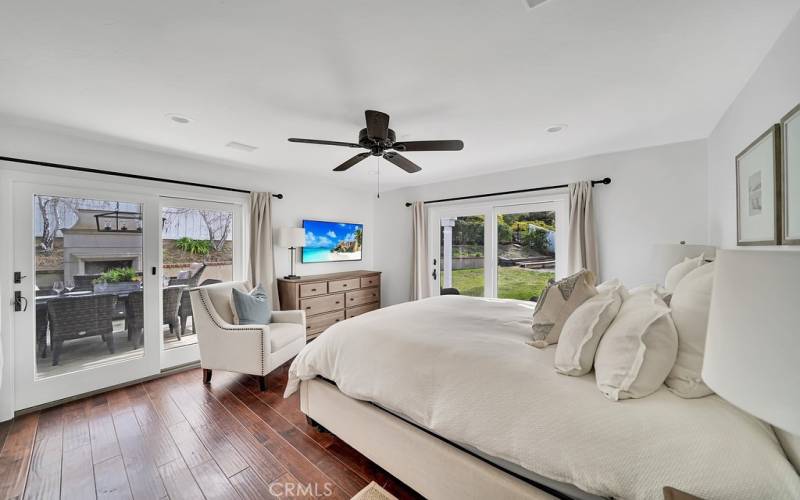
point(379, 139)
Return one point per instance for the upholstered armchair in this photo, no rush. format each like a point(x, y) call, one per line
point(252, 349)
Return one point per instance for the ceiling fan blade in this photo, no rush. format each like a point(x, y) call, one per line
point(326, 143)
point(454, 145)
point(402, 162)
point(377, 125)
point(352, 161)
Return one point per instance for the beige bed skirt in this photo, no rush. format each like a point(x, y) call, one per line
point(429, 465)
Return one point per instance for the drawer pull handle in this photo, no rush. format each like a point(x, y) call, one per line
point(308, 328)
point(337, 301)
point(344, 285)
point(308, 307)
point(313, 289)
point(337, 321)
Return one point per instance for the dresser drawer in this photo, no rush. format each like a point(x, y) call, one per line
point(312, 289)
point(318, 324)
point(319, 305)
point(355, 311)
point(364, 296)
point(343, 285)
point(370, 281)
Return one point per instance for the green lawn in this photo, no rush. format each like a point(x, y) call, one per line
point(514, 282)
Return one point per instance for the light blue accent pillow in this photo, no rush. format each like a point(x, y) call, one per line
point(252, 308)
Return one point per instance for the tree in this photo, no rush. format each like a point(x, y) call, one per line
point(53, 211)
point(218, 225)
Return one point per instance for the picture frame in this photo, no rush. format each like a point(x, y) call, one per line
point(790, 177)
point(758, 191)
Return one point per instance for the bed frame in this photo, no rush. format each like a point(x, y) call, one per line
point(430, 465)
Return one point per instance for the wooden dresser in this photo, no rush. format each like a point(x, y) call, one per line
point(331, 298)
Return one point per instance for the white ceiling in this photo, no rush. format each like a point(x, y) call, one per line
point(622, 73)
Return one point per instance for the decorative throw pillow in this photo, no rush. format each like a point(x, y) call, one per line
point(681, 269)
point(251, 308)
point(582, 332)
point(615, 285)
point(557, 303)
point(690, 304)
point(638, 349)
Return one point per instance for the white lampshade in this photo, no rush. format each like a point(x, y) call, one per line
point(667, 255)
point(752, 354)
point(291, 237)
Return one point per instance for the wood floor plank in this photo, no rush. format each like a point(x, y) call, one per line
point(210, 434)
point(213, 482)
point(251, 487)
point(143, 476)
point(101, 430)
point(111, 480)
point(16, 455)
point(44, 476)
point(266, 420)
point(245, 443)
point(158, 440)
point(77, 473)
point(158, 391)
point(179, 481)
point(190, 446)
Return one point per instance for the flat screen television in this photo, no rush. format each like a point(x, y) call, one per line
point(331, 241)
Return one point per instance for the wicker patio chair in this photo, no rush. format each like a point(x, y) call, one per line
point(80, 317)
point(134, 313)
point(41, 328)
point(186, 302)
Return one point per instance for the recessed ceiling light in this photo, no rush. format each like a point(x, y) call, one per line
point(534, 3)
point(240, 146)
point(183, 120)
point(555, 128)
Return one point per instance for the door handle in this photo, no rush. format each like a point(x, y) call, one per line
point(20, 302)
point(434, 274)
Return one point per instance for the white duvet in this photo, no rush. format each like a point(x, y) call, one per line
point(459, 366)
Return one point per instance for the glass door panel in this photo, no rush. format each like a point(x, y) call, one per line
point(200, 245)
point(88, 283)
point(526, 252)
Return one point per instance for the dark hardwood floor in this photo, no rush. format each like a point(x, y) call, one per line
point(177, 438)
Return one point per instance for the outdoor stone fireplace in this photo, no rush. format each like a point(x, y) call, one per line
point(89, 251)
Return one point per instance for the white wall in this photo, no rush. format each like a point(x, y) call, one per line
point(772, 91)
point(657, 195)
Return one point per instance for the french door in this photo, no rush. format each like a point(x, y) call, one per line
point(87, 299)
point(102, 279)
point(503, 250)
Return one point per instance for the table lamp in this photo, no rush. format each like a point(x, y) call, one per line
point(752, 353)
point(291, 238)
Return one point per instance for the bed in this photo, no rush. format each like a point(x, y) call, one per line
point(445, 394)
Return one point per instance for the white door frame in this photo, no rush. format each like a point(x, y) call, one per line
point(555, 201)
point(183, 355)
point(13, 175)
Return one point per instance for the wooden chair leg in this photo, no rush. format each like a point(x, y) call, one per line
point(206, 376)
point(262, 383)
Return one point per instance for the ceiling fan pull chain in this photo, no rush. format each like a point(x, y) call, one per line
point(378, 161)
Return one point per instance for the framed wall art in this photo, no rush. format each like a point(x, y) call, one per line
point(758, 191)
point(790, 177)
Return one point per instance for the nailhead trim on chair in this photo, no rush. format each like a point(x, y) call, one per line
point(261, 330)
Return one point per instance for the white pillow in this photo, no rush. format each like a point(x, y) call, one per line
point(690, 304)
point(582, 332)
point(638, 349)
point(681, 269)
point(615, 285)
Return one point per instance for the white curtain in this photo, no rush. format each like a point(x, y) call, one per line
point(262, 260)
point(582, 241)
point(420, 284)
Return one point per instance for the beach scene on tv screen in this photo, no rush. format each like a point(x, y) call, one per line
point(332, 241)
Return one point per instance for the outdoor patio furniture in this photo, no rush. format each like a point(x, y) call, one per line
point(79, 317)
point(41, 328)
point(210, 281)
point(449, 291)
point(134, 312)
point(186, 303)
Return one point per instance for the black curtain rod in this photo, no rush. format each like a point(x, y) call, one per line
point(606, 180)
point(128, 176)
